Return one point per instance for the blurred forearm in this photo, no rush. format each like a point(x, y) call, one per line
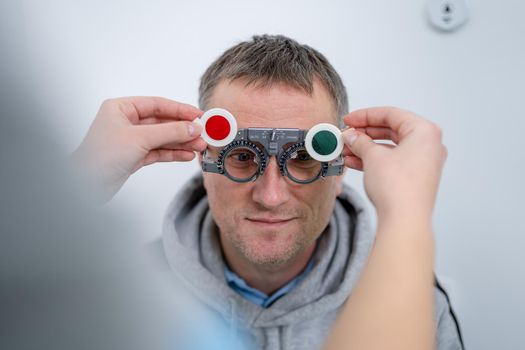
point(392, 306)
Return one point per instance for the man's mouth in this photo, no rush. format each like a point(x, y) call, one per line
point(269, 221)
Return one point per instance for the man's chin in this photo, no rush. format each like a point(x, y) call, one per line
point(268, 235)
point(271, 248)
point(274, 261)
point(270, 244)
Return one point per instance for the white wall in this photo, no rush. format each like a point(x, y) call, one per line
point(470, 82)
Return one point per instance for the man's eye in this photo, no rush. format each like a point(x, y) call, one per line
point(303, 156)
point(242, 157)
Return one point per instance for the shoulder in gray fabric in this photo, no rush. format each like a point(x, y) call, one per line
point(302, 318)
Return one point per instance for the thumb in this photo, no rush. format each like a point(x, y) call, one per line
point(360, 144)
point(157, 135)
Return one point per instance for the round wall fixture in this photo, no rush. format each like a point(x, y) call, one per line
point(447, 15)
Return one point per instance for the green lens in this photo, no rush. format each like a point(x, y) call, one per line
point(324, 142)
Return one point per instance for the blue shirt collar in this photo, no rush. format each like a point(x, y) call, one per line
point(256, 296)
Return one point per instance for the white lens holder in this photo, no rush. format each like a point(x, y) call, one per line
point(219, 127)
point(324, 142)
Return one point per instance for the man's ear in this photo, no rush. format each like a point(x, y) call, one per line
point(339, 183)
point(200, 155)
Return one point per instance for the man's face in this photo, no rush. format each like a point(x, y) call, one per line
point(271, 221)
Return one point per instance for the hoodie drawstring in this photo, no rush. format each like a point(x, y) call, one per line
point(233, 319)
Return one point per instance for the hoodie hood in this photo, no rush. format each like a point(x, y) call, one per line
point(192, 248)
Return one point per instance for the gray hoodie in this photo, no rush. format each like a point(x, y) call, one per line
point(300, 319)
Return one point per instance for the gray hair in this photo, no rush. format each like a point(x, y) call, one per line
point(270, 59)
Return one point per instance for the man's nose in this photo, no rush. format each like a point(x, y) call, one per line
point(271, 189)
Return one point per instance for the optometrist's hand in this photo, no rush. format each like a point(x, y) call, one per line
point(394, 296)
point(132, 132)
point(400, 179)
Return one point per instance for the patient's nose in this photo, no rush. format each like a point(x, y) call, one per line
point(271, 189)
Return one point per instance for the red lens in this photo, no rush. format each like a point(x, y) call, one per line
point(217, 127)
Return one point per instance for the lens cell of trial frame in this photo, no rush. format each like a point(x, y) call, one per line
point(217, 127)
point(324, 142)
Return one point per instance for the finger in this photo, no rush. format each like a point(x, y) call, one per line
point(142, 107)
point(380, 133)
point(385, 145)
point(165, 155)
point(397, 119)
point(156, 135)
point(196, 145)
point(154, 120)
point(354, 163)
point(347, 152)
point(360, 144)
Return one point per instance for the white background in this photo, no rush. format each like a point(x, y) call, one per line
point(469, 82)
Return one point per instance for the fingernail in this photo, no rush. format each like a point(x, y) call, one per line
point(193, 129)
point(350, 136)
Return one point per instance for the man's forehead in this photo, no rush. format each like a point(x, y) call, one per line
point(277, 106)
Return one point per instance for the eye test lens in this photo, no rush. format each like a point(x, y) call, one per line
point(242, 161)
point(302, 156)
point(219, 127)
point(301, 167)
point(324, 142)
